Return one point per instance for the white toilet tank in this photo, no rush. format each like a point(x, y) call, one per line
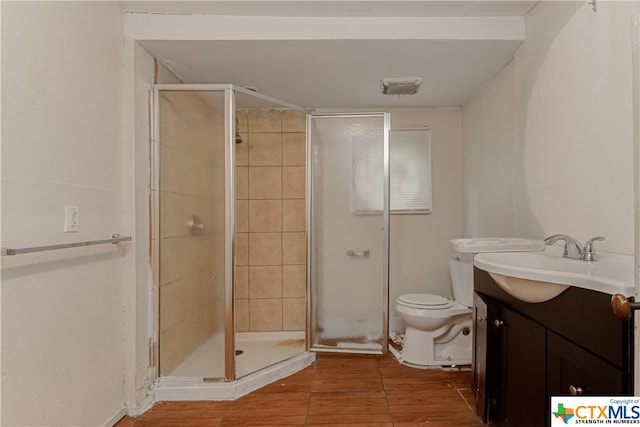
point(462, 278)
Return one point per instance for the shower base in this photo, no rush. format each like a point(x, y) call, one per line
point(266, 357)
point(262, 349)
point(254, 351)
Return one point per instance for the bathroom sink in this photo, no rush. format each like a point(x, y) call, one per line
point(528, 290)
point(495, 244)
point(540, 276)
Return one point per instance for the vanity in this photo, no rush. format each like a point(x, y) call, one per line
point(545, 327)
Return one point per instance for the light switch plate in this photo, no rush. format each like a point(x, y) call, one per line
point(71, 219)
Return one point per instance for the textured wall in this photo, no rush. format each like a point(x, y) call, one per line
point(62, 318)
point(569, 156)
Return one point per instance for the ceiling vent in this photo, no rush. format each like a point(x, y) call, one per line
point(400, 85)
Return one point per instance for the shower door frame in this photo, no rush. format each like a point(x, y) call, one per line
point(385, 221)
point(230, 210)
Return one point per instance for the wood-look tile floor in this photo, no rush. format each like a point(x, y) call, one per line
point(338, 390)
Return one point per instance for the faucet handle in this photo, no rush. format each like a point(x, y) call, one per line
point(589, 252)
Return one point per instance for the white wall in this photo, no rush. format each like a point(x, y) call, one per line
point(572, 130)
point(62, 316)
point(487, 135)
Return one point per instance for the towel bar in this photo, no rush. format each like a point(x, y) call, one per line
point(115, 238)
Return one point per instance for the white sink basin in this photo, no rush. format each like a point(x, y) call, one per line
point(542, 275)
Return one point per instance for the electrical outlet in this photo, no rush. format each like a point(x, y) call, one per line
point(71, 219)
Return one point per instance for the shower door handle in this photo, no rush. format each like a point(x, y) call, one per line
point(364, 254)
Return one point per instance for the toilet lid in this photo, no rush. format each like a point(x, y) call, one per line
point(425, 301)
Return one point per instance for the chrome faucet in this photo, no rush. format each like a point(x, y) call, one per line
point(589, 251)
point(573, 249)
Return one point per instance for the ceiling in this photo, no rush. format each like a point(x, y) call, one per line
point(328, 71)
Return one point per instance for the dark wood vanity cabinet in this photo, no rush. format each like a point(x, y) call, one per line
point(525, 353)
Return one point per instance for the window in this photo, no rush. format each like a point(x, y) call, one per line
point(409, 173)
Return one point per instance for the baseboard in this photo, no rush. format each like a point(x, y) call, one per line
point(115, 418)
point(146, 404)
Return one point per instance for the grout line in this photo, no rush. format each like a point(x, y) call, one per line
point(384, 390)
point(313, 378)
point(464, 399)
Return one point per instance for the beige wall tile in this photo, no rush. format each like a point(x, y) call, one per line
point(265, 249)
point(173, 301)
point(242, 216)
point(242, 182)
point(180, 256)
point(242, 315)
point(293, 215)
point(185, 174)
point(190, 124)
point(242, 282)
point(293, 121)
point(265, 315)
point(265, 182)
point(294, 281)
point(293, 314)
point(293, 248)
point(242, 248)
point(293, 182)
point(179, 341)
point(181, 299)
point(265, 149)
point(265, 215)
point(293, 149)
point(265, 120)
point(265, 281)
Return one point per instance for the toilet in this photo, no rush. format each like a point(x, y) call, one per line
point(438, 330)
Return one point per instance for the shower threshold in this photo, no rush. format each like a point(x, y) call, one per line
point(259, 357)
point(193, 388)
point(348, 345)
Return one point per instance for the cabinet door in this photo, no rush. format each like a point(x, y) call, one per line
point(523, 401)
point(574, 370)
point(479, 380)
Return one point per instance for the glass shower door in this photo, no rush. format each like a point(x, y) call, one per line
point(348, 190)
point(191, 232)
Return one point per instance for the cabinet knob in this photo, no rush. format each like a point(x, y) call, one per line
point(575, 391)
point(481, 318)
point(622, 308)
point(498, 323)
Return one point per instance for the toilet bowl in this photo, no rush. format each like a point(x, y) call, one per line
point(438, 330)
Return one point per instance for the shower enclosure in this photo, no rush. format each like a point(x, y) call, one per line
point(229, 231)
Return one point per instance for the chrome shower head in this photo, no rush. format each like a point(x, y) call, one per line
point(238, 137)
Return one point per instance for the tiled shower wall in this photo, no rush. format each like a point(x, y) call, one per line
point(270, 221)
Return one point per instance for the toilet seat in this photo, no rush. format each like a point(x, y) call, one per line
point(425, 301)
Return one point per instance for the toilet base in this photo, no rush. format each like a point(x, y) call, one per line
point(446, 346)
